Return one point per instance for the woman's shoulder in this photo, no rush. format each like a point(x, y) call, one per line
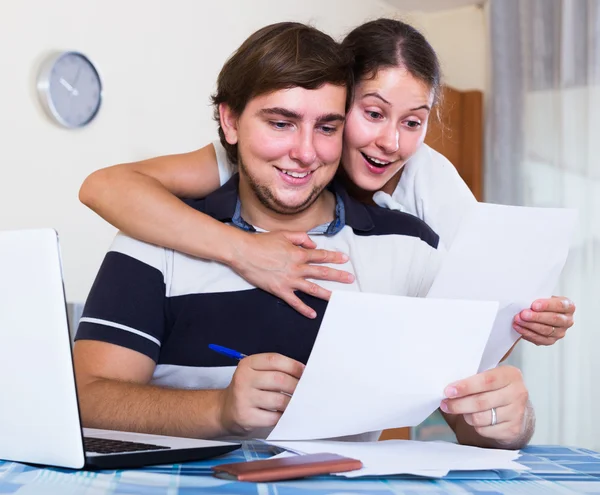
point(432, 189)
point(430, 177)
point(226, 168)
point(429, 165)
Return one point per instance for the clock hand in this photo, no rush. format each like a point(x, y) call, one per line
point(76, 75)
point(66, 85)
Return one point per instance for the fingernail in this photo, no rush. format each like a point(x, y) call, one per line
point(444, 406)
point(566, 303)
point(537, 306)
point(312, 315)
point(527, 315)
point(450, 392)
point(350, 277)
point(518, 319)
point(345, 257)
point(517, 328)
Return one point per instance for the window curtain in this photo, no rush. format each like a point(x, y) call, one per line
point(543, 149)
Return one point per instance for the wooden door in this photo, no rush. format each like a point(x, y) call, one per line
point(458, 135)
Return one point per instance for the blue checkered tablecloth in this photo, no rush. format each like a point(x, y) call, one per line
point(560, 470)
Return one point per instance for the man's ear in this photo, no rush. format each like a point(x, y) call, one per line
point(229, 123)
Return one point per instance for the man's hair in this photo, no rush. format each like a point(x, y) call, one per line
point(280, 56)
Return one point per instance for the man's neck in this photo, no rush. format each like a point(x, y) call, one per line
point(260, 216)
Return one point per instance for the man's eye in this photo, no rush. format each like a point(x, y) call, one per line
point(328, 129)
point(279, 125)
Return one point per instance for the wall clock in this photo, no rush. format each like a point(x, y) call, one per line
point(70, 89)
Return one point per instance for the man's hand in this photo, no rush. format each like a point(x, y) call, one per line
point(546, 322)
point(501, 388)
point(259, 392)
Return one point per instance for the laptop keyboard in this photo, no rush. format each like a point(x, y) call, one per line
point(109, 446)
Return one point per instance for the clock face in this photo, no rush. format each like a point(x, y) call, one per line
point(72, 89)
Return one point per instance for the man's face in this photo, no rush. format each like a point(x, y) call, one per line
point(290, 144)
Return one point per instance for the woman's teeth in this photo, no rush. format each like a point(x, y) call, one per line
point(375, 162)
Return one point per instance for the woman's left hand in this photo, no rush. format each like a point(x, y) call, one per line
point(546, 321)
point(495, 404)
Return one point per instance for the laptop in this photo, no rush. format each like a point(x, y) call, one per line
point(39, 416)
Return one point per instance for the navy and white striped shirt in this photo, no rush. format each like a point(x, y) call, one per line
point(170, 306)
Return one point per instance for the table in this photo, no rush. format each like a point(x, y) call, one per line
point(555, 469)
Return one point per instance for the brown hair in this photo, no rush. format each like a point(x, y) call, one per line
point(384, 43)
point(280, 56)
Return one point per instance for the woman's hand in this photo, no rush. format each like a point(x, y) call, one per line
point(280, 263)
point(495, 406)
point(546, 322)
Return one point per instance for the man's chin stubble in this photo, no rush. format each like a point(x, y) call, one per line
point(268, 199)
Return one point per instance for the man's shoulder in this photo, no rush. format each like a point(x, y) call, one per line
point(137, 250)
point(221, 203)
point(392, 222)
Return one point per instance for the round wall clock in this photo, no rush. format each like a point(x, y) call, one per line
point(70, 89)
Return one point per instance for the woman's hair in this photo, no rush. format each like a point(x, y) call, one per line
point(385, 43)
point(280, 56)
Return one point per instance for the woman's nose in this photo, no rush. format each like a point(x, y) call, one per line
point(389, 140)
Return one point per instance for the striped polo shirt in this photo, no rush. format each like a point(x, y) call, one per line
point(170, 306)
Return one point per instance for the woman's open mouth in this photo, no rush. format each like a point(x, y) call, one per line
point(374, 165)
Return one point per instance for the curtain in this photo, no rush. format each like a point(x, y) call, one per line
point(543, 149)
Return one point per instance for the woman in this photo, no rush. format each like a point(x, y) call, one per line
point(398, 85)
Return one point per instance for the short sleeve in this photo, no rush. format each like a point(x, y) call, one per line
point(126, 305)
point(431, 188)
point(226, 169)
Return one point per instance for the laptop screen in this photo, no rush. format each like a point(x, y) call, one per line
point(39, 417)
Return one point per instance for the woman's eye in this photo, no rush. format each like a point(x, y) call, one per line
point(374, 115)
point(413, 124)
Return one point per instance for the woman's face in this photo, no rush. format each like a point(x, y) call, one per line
point(385, 126)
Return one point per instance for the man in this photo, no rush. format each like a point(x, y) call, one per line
point(142, 358)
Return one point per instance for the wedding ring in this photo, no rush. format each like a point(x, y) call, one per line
point(494, 417)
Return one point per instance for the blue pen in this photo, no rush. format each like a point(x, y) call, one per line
point(227, 352)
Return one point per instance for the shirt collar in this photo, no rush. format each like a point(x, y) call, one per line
point(224, 205)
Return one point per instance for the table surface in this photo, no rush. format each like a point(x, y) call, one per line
point(554, 469)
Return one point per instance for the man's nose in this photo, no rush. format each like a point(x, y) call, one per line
point(304, 151)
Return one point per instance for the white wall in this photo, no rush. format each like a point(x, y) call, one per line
point(158, 59)
point(459, 37)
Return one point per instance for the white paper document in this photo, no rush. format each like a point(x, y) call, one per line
point(432, 459)
point(508, 254)
point(383, 361)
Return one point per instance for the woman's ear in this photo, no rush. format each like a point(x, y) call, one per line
point(228, 123)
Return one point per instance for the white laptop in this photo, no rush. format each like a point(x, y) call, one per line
point(39, 413)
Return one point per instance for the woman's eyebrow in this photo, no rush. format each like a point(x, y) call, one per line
point(377, 95)
point(426, 107)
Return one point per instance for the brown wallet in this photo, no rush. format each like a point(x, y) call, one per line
point(287, 467)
